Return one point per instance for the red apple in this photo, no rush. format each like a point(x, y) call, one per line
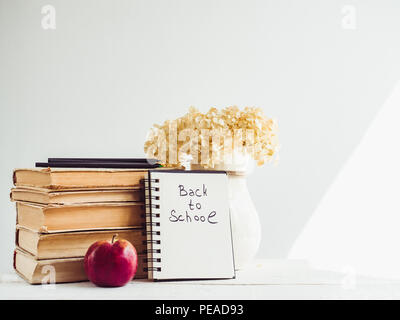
point(111, 264)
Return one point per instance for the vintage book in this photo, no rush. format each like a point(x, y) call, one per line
point(188, 225)
point(49, 196)
point(56, 218)
point(72, 244)
point(58, 270)
point(61, 178)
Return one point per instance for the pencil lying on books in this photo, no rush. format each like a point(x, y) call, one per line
point(132, 160)
point(107, 163)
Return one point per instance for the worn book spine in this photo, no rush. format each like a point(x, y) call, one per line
point(58, 270)
point(72, 244)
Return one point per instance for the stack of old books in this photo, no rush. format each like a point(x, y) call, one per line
point(61, 212)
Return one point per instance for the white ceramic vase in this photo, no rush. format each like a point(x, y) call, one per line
point(246, 228)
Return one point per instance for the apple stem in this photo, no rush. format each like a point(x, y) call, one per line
point(113, 238)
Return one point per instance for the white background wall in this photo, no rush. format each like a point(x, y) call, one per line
point(93, 86)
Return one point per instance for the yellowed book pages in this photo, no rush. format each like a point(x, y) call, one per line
point(73, 244)
point(58, 270)
point(78, 178)
point(57, 218)
point(49, 196)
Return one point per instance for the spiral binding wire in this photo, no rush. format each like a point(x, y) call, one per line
point(152, 233)
point(155, 215)
point(153, 251)
point(152, 242)
point(154, 206)
point(153, 198)
point(158, 269)
point(155, 224)
point(152, 260)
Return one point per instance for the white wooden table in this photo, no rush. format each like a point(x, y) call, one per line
point(264, 279)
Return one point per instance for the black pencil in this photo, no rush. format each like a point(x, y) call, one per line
point(114, 160)
point(98, 164)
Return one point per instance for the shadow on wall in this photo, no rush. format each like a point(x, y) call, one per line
point(324, 107)
point(355, 226)
point(313, 154)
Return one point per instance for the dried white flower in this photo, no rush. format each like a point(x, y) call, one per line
point(214, 134)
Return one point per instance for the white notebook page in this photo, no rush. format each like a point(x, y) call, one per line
point(195, 230)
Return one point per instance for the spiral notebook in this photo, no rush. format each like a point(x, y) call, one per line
point(188, 225)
